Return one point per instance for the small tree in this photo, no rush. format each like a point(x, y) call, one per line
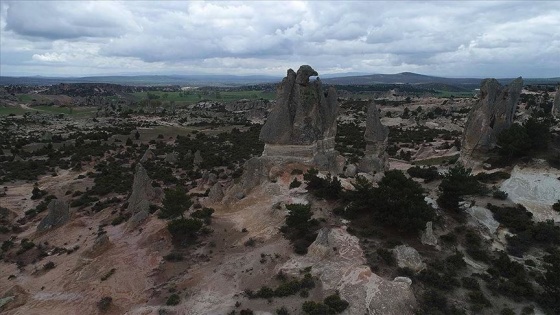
point(175, 203)
point(458, 182)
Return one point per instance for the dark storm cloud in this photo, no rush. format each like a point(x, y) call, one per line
point(445, 38)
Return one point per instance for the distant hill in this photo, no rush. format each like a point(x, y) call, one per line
point(459, 84)
point(143, 80)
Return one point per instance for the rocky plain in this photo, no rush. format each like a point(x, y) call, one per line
point(323, 199)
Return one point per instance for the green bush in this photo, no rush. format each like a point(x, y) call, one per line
point(295, 183)
point(183, 229)
point(173, 299)
point(175, 202)
point(104, 304)
point(397, 202)
point(458, 182)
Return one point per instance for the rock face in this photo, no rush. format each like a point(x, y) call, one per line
point(483, 218)
point(428, 237)
point(142, 193)
point(408, 257)
point(536, 187)
point(556, 104)
point(59, 214)
point(216, 193)
point(489, 116)
point(302, 124)
point(148, 155)
point(338, 261)
point(376, 136)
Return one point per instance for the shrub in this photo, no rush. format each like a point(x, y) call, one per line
point(427, 173)
point(175, 203)
point(173, 257)
point(104, 304)
point(118, 220)
point(173, 299)
point(397, 202)
point(325, 188)
point(556, 206)
point(295, 183)
point(181, 229)
point(300, 227)
point(48, 266)
point(501, 195)
point(108, 274)
point(387, 256)
point(458, 182)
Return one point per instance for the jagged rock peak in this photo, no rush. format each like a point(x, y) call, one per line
point(142, 192)
point(376, 136)
point(59, 213)
point(303, 113)
point(490, 115)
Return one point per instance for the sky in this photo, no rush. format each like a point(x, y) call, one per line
point(452, 39)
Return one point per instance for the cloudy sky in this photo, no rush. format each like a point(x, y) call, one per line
point(457, 39)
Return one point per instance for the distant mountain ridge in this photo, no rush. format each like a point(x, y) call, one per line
point(237, 80)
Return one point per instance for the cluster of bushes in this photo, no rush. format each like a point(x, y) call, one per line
point(332, 304)
point(531, 137)
point(22, 170)
point(325, 188)
point(427, 173)
point(457, 183)
point(300, 228)
point(527, 232)
point(286, 288)
point(397, 202)
point(111, 177)
point(419, 134)
point(350, 142)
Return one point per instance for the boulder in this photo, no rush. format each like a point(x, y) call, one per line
point(142, 193)
point(100, 245)
point(351, 170)
point(338, 261)
point(489, 116)
point(408, 257)
point(216, 193)
point(428, 237)
point(482, 217)
point(58, 214)
point(376, 136)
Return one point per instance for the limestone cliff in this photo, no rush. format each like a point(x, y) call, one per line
point(376, 136)
point(489, 116)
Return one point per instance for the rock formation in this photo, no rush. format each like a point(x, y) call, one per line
point(216, 193)
point(489, 116)
point(198, 158)
point(172, 157)
point(428, 237)
point(338, 261)
point(302, 125)
point(58, 214)
point(148, 155)
point(556, 104)
point(142, 193)
point(408, 257)
point(376, 136)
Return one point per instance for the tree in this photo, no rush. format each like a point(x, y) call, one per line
point(458, 182)
point(397, 202)
point(175, 203)
point(137, 135)
point(513, 142)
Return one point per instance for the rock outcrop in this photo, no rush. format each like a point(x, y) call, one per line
point(302, 124)
point(58, 214)
point(408, 257)
point(339, 263)
point(142, 193)
point(216, 193)
point(556, 103)
point(428, 237)
point(376, 136)
point(172, 157)
point(148, 155)
point(492, 114)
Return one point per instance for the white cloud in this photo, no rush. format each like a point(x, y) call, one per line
point(442, 38)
